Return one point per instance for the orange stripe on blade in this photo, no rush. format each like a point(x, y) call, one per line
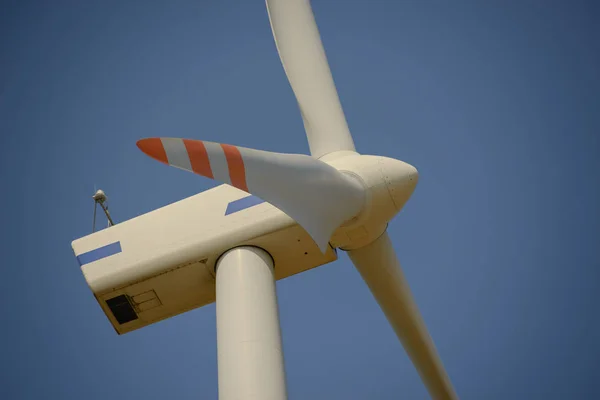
point(198, 157)
point(237, 171)
point(154, 148)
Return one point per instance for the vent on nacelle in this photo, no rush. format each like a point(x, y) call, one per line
point(122, 309)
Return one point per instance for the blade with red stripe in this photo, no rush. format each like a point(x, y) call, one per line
point(314, 194)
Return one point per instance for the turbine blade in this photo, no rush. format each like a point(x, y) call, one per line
point(299, 45)
point(380, 269)
point(313, 193)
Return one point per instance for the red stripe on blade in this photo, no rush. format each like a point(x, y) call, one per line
point(237, 171)
point(198, 157)
point(154, 148)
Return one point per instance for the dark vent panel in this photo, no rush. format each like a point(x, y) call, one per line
point(121, 309)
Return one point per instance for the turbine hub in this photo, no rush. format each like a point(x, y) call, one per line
point(388, 184)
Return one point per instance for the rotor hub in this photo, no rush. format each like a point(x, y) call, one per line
point(388, 184)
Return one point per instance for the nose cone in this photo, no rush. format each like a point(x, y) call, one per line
point(413, 177)
point(401, 179)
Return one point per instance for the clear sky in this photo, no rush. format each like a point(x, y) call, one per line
point(495, 102)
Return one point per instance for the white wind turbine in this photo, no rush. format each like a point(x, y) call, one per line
point(341, 198)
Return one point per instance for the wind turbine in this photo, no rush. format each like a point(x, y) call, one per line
point(161, 264)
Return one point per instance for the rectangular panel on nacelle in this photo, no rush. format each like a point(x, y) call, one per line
point(162, 263)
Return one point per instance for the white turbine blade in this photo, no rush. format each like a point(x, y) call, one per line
point(380, 269)
point(303, 57)
point(314, 194)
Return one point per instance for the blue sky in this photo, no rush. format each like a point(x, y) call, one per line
point(495, 102)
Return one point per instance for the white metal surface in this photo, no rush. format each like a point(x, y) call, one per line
point(301, 51)
point(173, 251)
point(379, 267)
point(250, 353)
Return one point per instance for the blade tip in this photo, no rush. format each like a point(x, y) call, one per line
point(154, 148)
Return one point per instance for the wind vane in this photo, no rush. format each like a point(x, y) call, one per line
point(100, 198)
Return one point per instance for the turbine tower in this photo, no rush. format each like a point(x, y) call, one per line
point(275, 215)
